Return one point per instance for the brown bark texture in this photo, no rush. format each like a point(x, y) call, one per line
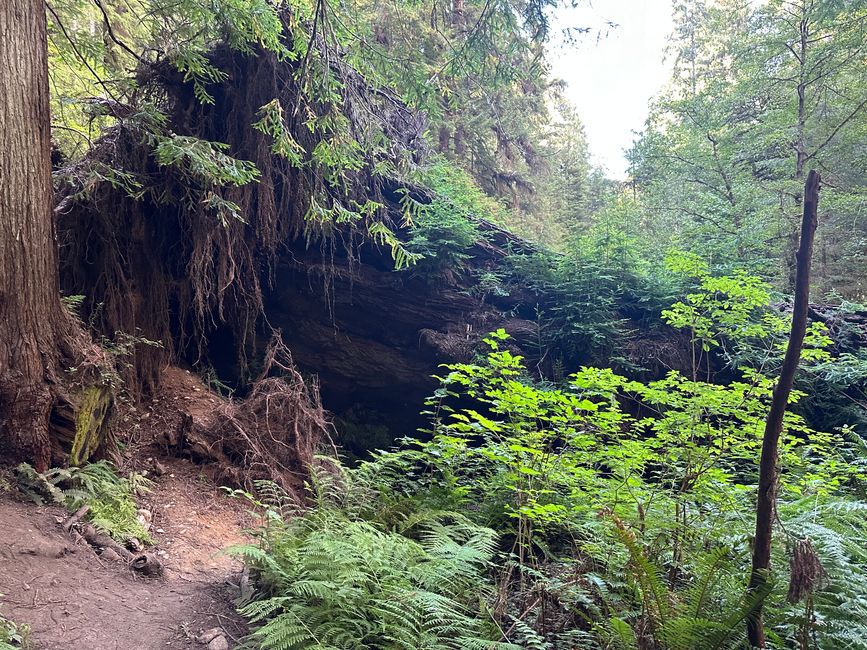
point(458, 13)
point(32, 320)
point(28, 276)
point(768, 469)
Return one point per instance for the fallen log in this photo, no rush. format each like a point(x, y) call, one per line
point(96, 539)
point(143, 563)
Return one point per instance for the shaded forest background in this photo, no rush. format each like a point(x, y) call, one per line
point(315, 206)
point(405, 137)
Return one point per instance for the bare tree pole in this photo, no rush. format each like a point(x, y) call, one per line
point(774, 424)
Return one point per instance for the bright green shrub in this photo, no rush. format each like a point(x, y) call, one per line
point(622, 511)
point(443, 228)
point(572, 478)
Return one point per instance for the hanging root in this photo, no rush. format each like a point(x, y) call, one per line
point(151, 255)
point(273, 434)
point(806, 571)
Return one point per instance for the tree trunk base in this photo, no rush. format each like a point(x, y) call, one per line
point(81, 425)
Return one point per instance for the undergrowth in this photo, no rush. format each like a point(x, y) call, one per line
point(13, 636)
point(443, 229)
point(596, 513)
point(109, 497)
point(332, 579)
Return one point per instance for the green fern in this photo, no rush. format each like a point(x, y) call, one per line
point(327, 580)
point(837, 528)
point(109, 496)
point(710, 614)
point(13, 636)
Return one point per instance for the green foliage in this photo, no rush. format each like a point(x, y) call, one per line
point(36, 486)
point(596, 296)
point(725, 307)
point(478, 72)
point(604, 512)
point(835, 614)
point(457, 188)
point(320, 134)
point(403, 255)
point(206, 167)
point(444, 228)
point(272, 123)
point(329, 579)
point(710, 614)
point(652, 511)
point(440, 233)
point(595, 512)
point(204, 161)
point(109, 497)
point(13, 636)
point(761, 93)
point(242, 24)
point(73, 304)
point(732, 315)
point(532, 452)
point(85, 55)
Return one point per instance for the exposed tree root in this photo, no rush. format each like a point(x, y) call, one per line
point(272, 434)
point(172, 269)
point(75, 517)
point(144, 563)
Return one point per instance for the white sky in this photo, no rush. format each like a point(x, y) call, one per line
point(610, 80)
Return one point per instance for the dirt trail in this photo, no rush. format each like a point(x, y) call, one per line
point(72, 599)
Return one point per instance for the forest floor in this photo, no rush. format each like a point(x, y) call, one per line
point(72, 598)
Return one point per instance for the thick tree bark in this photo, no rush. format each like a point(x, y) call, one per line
point(774, 423)
point(29, 296)
point(33, 323)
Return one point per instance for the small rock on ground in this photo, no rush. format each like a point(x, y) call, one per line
point(209, 635)
point(218, 643)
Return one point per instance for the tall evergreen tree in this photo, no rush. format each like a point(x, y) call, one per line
point(33, 321)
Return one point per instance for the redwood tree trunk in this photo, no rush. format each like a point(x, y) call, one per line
point(32, 319)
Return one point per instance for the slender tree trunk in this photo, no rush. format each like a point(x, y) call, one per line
point(801, 142)
point(460, 146)
point(800, 132)
point(458, 26)
point(458, 13)
point(445, 137)
point(774, 424)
